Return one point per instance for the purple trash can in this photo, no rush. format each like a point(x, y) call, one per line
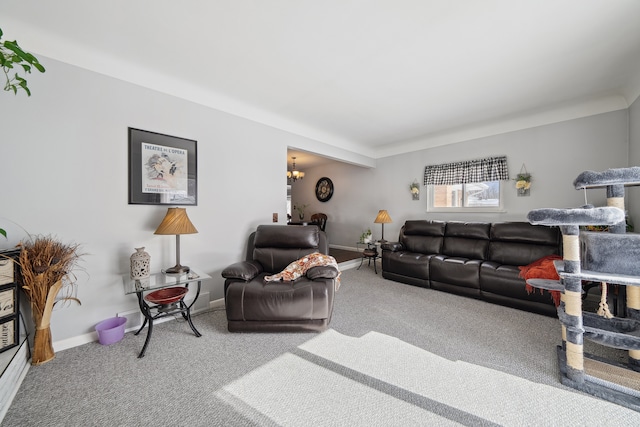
point(111, 331)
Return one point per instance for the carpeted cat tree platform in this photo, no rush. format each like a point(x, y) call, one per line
point(611, 257)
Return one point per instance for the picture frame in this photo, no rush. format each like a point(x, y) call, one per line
point(7, 300)
point(8, 334)
point(6, 270)
point(163, 169)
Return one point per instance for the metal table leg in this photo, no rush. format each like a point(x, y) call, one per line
point(184, 309)
point(146, 312)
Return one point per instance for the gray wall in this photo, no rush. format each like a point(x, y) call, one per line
point(65, 173)
point(553, 154)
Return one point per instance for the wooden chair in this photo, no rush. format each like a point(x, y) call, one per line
point(320, 219)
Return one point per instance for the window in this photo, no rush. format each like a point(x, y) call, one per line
point(466, 186)
point(483, 196)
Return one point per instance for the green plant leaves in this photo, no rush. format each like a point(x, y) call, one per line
point(10, 54)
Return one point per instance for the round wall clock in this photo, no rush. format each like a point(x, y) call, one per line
point(324, 189)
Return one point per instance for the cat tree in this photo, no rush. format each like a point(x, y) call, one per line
point(611, 257)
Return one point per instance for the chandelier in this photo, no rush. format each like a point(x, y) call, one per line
point(293, 175)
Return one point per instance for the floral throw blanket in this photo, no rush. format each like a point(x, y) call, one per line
point(299, 268)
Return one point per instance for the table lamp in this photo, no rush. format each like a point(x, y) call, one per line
point(382, 218)
point(176, 222)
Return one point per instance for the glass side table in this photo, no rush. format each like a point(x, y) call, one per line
point(164, 304)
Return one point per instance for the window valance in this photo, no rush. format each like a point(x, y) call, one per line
point(480, 170)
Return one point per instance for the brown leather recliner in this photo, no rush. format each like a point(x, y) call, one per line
point(305, 304)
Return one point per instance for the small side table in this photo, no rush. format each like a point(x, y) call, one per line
point(371, 254)
point(156, 282)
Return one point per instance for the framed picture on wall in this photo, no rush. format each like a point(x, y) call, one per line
point(163, 169)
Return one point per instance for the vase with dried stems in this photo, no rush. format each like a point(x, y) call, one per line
point(47, 267)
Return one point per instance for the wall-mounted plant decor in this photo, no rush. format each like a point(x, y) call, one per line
point(523, 182)
point(414, 187)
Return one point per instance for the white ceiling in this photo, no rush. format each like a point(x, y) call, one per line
point(375, 77)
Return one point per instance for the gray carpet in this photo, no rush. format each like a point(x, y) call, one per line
point(184, 380)
point(400, 384)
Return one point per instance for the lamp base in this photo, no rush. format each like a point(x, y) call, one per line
point(177, 269)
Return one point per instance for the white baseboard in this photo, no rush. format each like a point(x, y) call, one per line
point(216, 304)
point(354, 263)
point(75, 341)
point(347, 265)
point(134, 321)
point(346, 248)
point(12, 378)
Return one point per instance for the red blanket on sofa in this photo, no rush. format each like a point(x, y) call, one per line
point(542, 269)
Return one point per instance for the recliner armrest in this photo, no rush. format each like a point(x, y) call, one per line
point(243, 270)
point(392, 246)
point(322, 272)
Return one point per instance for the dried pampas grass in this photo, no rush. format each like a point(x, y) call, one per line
point(47, 267)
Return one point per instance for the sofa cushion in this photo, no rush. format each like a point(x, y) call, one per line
point(276, 246)
point(465, 248)
point(274, 260)
point(274, 236)
point(469, 230)
point(466, 240)
point(457, 271)
point(424, 228)
point(411, 264)
point(505, 280)
point(243, 270)
point(517, 253)
point(322, 272)
point(423, 244)
point(423, 237)
point(525, 232)
point(520, 243)
point(258, 300)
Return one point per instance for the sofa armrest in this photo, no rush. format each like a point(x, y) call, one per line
point(392, 246)
point(322, 272)
point(243, 270)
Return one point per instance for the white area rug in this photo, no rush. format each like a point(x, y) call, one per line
point(336, 380)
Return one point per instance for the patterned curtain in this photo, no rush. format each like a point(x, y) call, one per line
point(481, 170)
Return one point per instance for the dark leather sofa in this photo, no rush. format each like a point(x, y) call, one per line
point(478, 260)
point(305, 304)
